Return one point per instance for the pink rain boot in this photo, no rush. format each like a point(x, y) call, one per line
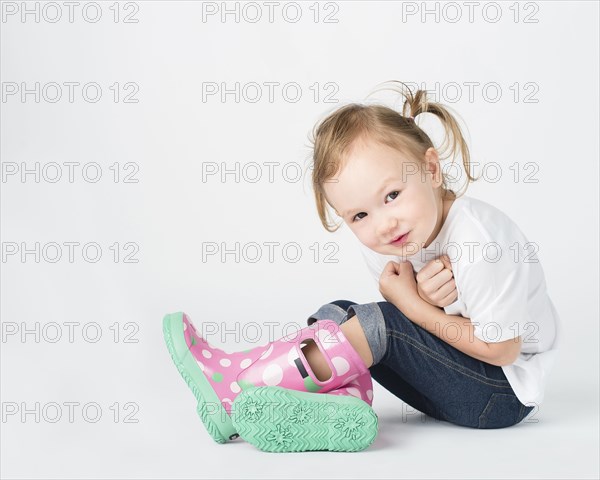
point(361, 387)
point(217, 377)
point(276, 419)
point(202, 366)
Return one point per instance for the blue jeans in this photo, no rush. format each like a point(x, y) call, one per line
point(427, 373)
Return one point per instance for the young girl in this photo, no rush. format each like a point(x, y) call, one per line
point(467, 333)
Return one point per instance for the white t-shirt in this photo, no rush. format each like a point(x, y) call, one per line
point(500, 285)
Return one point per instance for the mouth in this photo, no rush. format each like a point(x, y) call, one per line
point(400, 240)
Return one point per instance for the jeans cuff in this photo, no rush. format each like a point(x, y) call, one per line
point(330, 311)
point(372, 322)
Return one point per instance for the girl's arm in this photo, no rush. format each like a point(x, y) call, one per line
point(459, 332)
point(398, 286)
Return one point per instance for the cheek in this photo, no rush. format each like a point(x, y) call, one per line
point(416, 205)
point(368, 243)
point(364, 237)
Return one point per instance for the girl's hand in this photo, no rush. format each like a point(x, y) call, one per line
point(397, 284)
point(435, 282)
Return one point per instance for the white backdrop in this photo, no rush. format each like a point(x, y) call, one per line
point(122, 128)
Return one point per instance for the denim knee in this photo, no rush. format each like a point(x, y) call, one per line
point(389, 309)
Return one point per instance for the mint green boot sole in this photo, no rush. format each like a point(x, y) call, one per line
point(209, 409)
point(276, 419)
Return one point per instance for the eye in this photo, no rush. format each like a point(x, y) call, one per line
point(353, 219)
point(391, 193)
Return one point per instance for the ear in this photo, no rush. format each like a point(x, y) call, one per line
point(432, 166)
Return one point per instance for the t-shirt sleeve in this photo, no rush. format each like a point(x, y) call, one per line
point(494, 291)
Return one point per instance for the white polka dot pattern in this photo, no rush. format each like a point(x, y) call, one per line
point(272, 375)
point(353, 391)
point(267, 352)
point(341, 365)
point(292, 355)
point(327, 339)
point(245, 363)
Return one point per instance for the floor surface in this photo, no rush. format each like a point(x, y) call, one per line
point(169, 441)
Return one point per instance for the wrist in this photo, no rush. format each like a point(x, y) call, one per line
point(411, 305)
point(425, 298)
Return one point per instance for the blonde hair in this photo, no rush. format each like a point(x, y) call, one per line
point(333, 138)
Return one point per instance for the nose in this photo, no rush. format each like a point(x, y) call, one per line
point(387, 228)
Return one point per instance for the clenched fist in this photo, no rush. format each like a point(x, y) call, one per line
point(435, 282)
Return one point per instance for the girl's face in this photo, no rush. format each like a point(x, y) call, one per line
point(382, 195)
